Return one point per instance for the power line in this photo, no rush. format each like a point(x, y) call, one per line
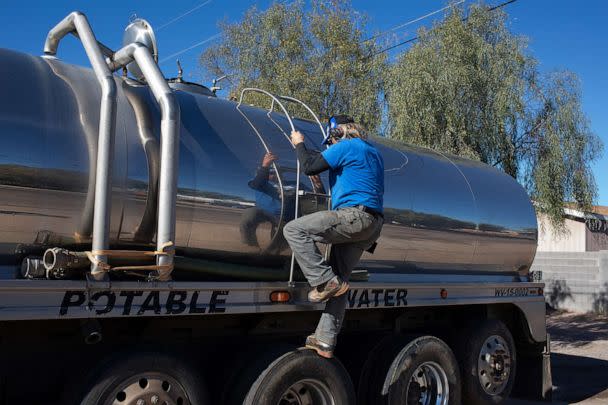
point(204, 41)
point(407, 41)
point(179, 17)
point(412, 21)
point(211, 38)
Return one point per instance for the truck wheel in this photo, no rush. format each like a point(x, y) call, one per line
point(487, 358)
point(256, 359)
point(376, 366)
point(423, 371)
point(146, 379)
point(302, 377)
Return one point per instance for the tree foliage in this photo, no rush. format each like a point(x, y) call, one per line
point(469, 87)
point(317, 55)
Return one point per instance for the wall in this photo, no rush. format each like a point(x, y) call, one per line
point(597, 235)
point(574, 241)
point(575, 281)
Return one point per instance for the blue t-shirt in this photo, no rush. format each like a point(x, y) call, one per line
point(356, 174)
point(268, 202)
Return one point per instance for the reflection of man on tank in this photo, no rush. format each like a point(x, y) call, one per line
point(267, 202)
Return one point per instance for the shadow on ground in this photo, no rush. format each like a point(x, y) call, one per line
point(576, 378)
point(577, 330)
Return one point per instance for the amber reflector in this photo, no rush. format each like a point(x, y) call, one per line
point(280, 296)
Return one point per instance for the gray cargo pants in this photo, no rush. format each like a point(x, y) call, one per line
point(350, 231)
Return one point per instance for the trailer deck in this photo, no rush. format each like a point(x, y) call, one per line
point(85, 299)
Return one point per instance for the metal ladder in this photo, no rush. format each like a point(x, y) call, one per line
point(299, 193)
point(324, 135)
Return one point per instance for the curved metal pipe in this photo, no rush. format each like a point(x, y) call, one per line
point(275, 99)
point(77, 22)
point(311, 112)
point(56, 34)
point(272, 96)
point(169, 148)
point(324, 136)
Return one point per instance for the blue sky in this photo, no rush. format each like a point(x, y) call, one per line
point(563, 34)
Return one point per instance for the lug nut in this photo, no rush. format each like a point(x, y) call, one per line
point(154, 399)
point(141, 402)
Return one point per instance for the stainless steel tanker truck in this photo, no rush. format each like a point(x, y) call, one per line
point(137, 267)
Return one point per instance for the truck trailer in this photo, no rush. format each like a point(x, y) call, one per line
point(139, 265)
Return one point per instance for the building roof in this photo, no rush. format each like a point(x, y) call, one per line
point(600, 209)
point(597, 212)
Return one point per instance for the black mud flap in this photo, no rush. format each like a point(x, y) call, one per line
point(547, 389)
point(533, 379)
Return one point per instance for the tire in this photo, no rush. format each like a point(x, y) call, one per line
point(256, 359)
point(376, 366)
point(392, 379)
point(302, 376)
point(470, 358)
point(142, 376)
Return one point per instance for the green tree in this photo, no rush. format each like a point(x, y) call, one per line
point(316, 54)
point(470, 87)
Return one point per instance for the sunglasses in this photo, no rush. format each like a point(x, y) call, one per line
point(333, 133)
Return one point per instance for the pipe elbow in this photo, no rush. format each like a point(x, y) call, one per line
point(73, 16)
point(57, 33)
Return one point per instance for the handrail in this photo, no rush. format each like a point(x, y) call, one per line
point(312, 113)
point(275, 99)
point(272, 96)
point(279, 127)
point(316, 118)
point(76, 22)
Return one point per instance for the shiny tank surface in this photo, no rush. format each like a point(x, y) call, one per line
point(443, 213)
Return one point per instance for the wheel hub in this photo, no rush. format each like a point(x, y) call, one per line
point(307, 392)
point(494, 365)
point(149, 389)
point(428, 385)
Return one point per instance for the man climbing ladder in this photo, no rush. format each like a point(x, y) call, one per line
point(356, 176)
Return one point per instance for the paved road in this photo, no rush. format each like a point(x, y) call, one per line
point(579, 359)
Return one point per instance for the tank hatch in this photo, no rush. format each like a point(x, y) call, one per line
point(190, 87)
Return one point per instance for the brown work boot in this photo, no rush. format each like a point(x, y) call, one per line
point(322, 349)
point(333, 288)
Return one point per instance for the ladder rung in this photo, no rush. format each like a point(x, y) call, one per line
point(304, 192)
